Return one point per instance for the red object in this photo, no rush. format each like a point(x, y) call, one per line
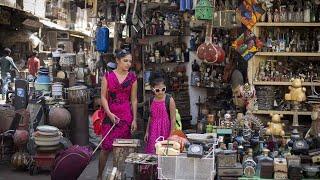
point(221, 54)
point(20, 137)
point(33, 65)
point(208, 51)
point(44, 160)
point(70, 163)
point(97, 118)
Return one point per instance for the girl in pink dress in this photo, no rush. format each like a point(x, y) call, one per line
point(159, 124)
point(119, 100)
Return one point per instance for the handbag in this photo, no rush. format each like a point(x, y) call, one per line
point(97, 119)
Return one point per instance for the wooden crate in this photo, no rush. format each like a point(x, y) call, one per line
point(121, 150)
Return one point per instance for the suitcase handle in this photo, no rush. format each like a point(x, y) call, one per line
point(103, 139)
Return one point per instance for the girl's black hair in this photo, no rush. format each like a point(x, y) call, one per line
point(157, 78)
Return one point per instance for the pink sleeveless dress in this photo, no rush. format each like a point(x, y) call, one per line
point(159, 124)
point(120, 105)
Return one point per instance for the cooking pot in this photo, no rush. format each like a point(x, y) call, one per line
point(59, 117)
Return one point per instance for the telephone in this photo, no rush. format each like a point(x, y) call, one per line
point(167, 148)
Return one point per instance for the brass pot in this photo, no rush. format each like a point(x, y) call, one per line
point(20, 160)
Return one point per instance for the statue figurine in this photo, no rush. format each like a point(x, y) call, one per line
point(297, 92)
point(275, 126)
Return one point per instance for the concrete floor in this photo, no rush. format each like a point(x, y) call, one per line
point(90, 173)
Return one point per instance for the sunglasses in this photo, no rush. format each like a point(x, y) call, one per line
point(157, 90)
point(122, 53)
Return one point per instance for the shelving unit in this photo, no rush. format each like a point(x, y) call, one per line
point(267, 112)
point(294, 54)
point(253, 64)
point(291, 24)
point(273, 83)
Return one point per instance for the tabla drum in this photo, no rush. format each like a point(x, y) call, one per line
point(78, 94)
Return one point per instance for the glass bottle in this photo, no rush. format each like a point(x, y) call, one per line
point(276, 16)
point(313, 13)
point(291, 15)
point(306, 12)
point(283, 14)
point(282, 44)
point(264, 158)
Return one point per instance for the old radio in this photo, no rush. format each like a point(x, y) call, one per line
point(226, 159)
point(233, 171)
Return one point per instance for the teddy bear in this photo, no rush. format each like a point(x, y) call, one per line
point(297, 92)
point(275, 126)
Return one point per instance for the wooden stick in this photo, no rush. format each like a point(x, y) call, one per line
point(103, 139)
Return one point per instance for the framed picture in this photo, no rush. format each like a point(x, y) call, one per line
point(62, 35)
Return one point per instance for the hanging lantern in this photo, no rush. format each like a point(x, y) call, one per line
point(204, 10)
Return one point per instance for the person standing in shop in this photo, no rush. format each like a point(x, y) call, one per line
point(161, 120)
point(119, 100)
point(33, 63)
point(6, 65)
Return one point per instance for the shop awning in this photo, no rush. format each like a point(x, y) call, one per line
point(52, 25)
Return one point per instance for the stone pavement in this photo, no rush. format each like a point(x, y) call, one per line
point(90, 173)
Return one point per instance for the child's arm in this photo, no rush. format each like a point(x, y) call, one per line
point(146, 136)
point(172, 114)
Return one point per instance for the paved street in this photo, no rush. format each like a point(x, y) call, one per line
point(7, 172)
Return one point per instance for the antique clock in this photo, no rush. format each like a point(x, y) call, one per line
point(203, 10)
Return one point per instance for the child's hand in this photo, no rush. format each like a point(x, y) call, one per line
point(114, 118)
point(146, 136)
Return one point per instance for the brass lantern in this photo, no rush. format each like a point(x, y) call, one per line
point(204, 10)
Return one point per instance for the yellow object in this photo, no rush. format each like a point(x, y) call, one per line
point(297, 92)
point(167, 148)
point(275, 126)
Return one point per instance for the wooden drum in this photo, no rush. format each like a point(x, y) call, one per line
point(78, 94)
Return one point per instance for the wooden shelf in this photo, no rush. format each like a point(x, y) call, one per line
point(305, 113)
point(296, 54)
point(265, 24)
point(272, 83)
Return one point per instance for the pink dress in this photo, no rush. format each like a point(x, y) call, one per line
point(159, 124)
point(120, 105)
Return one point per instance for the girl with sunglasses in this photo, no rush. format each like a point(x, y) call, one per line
point(161, 120)
point(119, 100)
